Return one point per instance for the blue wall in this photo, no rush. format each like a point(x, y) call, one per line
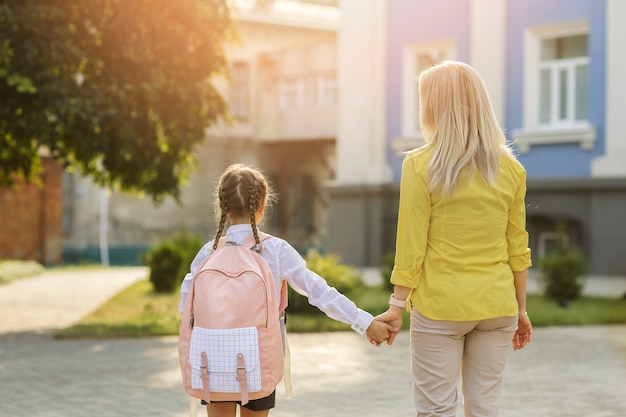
point(418, 21)
point(565, 160)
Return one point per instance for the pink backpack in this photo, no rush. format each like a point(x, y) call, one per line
point(230, 345)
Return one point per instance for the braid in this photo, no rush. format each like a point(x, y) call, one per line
point(253, 205)
point(220, 230)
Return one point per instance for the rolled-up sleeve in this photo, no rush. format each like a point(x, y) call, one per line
point(516, 234)
point(413, 221)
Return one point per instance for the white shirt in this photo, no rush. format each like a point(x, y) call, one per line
point(287, 264)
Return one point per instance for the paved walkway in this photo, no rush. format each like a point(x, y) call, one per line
point(565, 372)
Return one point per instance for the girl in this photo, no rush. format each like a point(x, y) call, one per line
point(242, 196)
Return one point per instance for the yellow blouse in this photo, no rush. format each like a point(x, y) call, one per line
point(458, 252)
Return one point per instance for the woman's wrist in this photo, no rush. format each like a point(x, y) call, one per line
point(525, 313)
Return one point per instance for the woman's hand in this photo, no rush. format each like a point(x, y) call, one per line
point(524, 333)
point(393, 317)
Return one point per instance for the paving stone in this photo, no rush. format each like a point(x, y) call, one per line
point(565, 372)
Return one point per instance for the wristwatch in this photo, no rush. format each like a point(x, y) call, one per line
point(393, 301)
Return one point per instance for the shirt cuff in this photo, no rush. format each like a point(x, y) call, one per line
point(362, 322)
point(405, 278)
point(520, 262)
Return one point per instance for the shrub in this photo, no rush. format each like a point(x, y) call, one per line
point(562, 275)
point(340, 276)
point(189, 245)
point(170, 261)
point(562, 271)
point(165, 262)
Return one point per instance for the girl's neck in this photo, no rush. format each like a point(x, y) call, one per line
point(239, 221)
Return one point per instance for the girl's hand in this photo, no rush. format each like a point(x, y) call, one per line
point(379, 331)
point(393, 317)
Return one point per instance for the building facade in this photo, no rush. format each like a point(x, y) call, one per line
point(323, 97)
point(553, 70)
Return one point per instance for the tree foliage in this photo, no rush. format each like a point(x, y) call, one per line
point(116, 89)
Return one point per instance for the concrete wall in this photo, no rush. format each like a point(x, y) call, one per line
point(596, 205)
point(362, 222)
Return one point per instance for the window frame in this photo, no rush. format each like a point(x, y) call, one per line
point(558, 131)
point(312, 91)
point(239, 97)
point(412, 136)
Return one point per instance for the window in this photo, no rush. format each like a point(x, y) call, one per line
point(290, 94)
point(563, 80)
point(308, 92)
point(239, 93)
point(417, 58)
point(327, 85)
point(556, 87)
point(549, 242)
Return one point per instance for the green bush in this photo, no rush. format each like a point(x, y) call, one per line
point(340, 276)
point(189, 244)
point(563, 275)
point(170, 261)
point(386, 268)
point(165, 262)
point(562, 271)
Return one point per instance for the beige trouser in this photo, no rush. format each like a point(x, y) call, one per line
point(440, 349)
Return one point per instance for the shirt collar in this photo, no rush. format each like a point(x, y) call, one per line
point(239, 228)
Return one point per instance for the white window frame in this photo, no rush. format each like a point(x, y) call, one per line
point(327, 90)
point(240, 91)
point(311, 92)
point(544, 239)
point(412, 136)
point(287, 87)
point(557, 131)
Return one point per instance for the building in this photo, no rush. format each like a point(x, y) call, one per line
point(282, 96)
point(554, 71)
point(323, 95)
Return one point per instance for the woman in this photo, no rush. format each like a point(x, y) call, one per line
point(462, 254)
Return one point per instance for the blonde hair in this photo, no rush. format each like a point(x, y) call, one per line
point(241, 190)
point(458, 121)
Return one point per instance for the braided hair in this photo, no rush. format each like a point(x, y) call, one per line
point(240, 191)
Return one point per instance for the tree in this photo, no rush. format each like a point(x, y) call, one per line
point(116, 89)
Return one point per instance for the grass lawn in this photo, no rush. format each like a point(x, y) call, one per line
point(139, 312)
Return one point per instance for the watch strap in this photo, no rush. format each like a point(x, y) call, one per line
point(397, 303)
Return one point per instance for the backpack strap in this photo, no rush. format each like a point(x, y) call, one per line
point(250, 242)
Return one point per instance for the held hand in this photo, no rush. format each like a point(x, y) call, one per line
point(379, 331)
point(393, 317)
point(524, 333)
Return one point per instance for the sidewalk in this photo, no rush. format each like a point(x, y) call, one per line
point(565, 372)
point(58, 298)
